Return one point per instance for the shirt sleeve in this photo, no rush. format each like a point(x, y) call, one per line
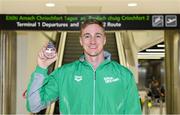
point(132, 98)
point(42, 90)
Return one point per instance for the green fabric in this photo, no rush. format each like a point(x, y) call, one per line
point(110, 89)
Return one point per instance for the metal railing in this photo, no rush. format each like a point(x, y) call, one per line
point(50, 109)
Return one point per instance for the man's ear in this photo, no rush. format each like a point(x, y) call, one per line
point(104, 40)
point(80, 40)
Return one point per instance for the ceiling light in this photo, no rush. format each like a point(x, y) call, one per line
point(155, 50)
point(140, 53)
point(161, 45)
point(132, 4)
point(50, 4)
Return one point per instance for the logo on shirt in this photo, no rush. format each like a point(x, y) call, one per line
point(110, 79)
point(77, 78)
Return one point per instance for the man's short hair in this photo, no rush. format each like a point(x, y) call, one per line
point(89, 22)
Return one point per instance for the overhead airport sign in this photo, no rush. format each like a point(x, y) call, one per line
point(73, 22)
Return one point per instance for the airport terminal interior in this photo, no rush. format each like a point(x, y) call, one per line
point(153, 56)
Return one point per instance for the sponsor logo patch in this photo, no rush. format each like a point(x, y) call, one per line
point(110, 79)
point(77, 78)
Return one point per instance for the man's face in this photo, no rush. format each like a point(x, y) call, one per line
point(93, 39)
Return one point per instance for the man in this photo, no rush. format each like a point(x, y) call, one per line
point(91, 85)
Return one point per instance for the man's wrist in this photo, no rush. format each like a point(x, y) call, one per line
point(43, 67)
point(40, 69)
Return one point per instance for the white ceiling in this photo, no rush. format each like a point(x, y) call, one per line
point(89, 6)
point(147, 38)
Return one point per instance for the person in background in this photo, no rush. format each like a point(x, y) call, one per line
point(94, 84)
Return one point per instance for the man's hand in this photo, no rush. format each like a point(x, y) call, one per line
point(46, 58)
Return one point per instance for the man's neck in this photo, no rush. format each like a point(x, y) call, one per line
point(95, 60)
